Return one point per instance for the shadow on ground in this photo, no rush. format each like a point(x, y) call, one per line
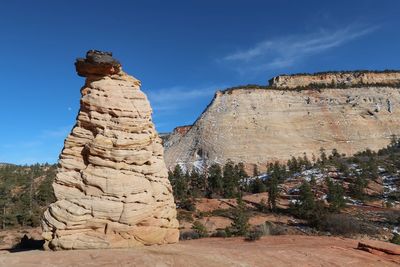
point(26, 244)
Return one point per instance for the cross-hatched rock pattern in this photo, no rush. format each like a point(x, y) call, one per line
point(257, 126)
point(112, 186)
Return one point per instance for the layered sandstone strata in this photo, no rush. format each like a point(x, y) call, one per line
point(336, 79)
point(112, 185)
point(257, 126)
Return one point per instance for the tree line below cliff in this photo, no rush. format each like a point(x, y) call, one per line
point(26, 191)
point(328, 184)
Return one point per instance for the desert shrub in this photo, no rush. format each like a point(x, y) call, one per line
point(392, 217)
point(187, 204)
point(227, 213)
point(229, 232)
point(394, 196)
point(254, 234)
point(220, 233)
point(395, 239)
point(340, 224)
point(389, 204)
point(200, 229)
point(189, 235)
point(270, 228)
point(265, 228)
point(343, 224)
point(262, 206)
point(184, 216)
point(277, 230)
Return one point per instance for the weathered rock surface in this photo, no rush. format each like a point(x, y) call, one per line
point(335, 79)
point(373, 246)
point(112, 185)
point(256, 126)
point(283, 250)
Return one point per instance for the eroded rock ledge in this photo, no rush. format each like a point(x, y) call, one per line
point(112, 185)
point(337, 79)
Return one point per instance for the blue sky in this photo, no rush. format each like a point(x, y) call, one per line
point(182, 51)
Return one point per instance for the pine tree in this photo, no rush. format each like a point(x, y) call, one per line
point(358, 187)
point(231, 181)
point(240, 220)
point(335, 196)
point(323, 159)
point(215, 181)
point(307, 162)
point(273, 192)
point(293, 165)
point(257, 186)
point(197, 184)
point(255, 171)
point(242, 177)
point(278, 171)
point(313, 182)
point(335, 154)
point(306, 204)
point(179, 182)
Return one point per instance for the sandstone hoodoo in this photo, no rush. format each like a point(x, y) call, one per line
point(112, 185)
point(295, 114)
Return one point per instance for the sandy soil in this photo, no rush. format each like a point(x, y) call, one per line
point(269, 251)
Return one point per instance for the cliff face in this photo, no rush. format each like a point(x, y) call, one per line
point(256, 126)
point(390, 78)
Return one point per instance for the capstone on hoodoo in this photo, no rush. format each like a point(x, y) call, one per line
point(112, 185)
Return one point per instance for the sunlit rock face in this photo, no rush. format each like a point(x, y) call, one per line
point(298, 114)
point(112, 185)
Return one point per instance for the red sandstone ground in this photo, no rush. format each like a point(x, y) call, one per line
point(269, 251)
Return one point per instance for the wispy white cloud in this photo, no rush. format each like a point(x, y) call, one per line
point(287, 51)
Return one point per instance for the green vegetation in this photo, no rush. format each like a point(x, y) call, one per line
point(395, 239)
point(254, 234)
point(25, 191)
point(231, 180)
point(330, 180)
point(214, 182)
point(240, 220)
point(200, 229)
point(335, 196)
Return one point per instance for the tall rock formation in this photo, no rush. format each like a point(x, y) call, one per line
point(112, 185)
point(350, 111)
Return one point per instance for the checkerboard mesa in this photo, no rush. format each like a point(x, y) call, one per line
point(112, 186)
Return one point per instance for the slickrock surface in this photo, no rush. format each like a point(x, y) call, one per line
point(296, 251)
point(372, 245)
point(256, 126)
point(112, 185)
